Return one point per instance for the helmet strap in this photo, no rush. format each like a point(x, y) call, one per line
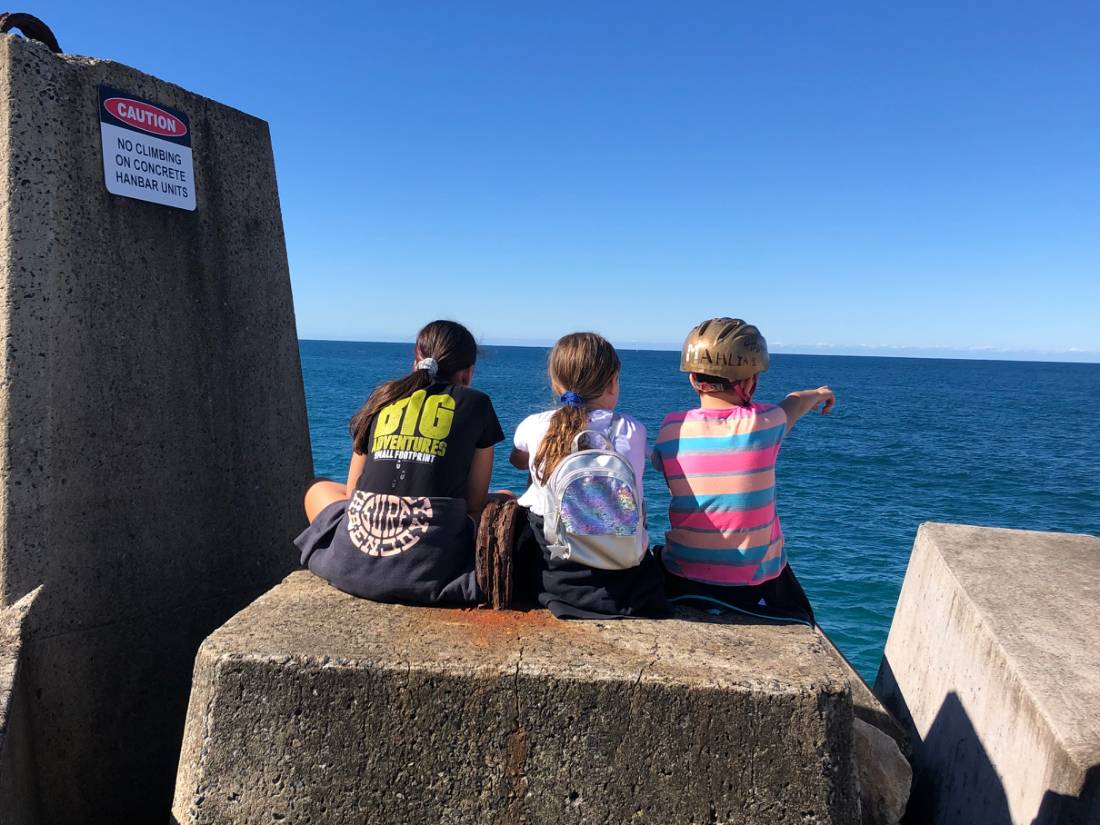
point(744, 392)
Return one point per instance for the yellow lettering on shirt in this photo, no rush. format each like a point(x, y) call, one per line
point(438, 416)
point(430, 416)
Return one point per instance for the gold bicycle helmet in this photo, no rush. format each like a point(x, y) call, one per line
point(726, 347)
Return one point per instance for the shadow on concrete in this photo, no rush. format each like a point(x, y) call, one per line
point(954, 781)
point(1079, 809)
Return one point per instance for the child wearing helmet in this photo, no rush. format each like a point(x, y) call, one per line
point(725, 545)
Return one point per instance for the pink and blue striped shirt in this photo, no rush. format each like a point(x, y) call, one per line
point(720, 468)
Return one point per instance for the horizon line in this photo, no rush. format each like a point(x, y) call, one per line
point(1069, 356)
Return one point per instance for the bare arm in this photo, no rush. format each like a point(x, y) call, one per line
point(355, 469)
point(477, 483)
point(520, 459)
point(797, 404)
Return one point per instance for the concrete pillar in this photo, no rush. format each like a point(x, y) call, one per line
point(992, 662)
point(314, 706)
point(152, 422)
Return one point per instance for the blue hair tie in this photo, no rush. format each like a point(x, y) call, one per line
point(571, 399)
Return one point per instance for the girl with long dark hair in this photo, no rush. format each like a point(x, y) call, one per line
point(401, 528)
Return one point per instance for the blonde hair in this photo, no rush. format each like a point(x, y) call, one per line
point(583, 363)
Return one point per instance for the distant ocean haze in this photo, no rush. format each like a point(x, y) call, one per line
point(998, 443)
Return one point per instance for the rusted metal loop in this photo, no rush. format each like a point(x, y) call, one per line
point(31, 27)
point(496, 538)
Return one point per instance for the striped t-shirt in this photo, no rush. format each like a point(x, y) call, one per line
point(720, 468)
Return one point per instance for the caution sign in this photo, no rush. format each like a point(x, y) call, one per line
point(146, 150)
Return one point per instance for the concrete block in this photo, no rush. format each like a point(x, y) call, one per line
point(992, 663)
point(865, 704)
point(18, 793)
point(314, 706)
point(152, 420)
point(881, 747)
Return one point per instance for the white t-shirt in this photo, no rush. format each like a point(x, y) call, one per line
point(630, 441)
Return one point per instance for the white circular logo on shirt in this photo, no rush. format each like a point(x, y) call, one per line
point(380, 524)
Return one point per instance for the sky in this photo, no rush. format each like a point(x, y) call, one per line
point(874, 178)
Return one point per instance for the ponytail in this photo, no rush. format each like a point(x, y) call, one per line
point(565, 423)
point(444, 349)
point(384, 394)
point(581, 367)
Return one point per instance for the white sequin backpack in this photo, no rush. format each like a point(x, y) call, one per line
point(595, 512)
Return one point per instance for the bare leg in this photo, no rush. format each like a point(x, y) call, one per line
point(320, 495)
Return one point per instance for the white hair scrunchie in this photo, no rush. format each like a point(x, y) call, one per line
point(429, 364)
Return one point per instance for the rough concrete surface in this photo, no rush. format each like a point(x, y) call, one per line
point(152, 421)
point(993, 663)
point(313, 706)
point(865, 704)
point(881, 750)
point(18, 797)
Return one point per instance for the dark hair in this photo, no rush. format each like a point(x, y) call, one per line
point(743, 388)
point(716, 380)
point(453, 348)
point(584, 363)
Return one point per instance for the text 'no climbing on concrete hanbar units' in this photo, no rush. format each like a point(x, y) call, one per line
point(146, 150)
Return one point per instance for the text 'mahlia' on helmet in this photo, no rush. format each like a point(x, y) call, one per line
point(727, 347)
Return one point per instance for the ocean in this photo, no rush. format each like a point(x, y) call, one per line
point(996, 443)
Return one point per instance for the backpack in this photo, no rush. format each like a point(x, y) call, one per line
point(595, 512)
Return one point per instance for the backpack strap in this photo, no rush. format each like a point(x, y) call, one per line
point(612, 430)
point(608, 437)
point(577, 439)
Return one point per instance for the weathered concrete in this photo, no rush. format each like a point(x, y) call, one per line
point(881, 748)
point(865, 704)
point(313, 706)
point(18, 795)
point(992, 661)
point(152, 422)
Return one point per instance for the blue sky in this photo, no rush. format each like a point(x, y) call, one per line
point(851, 177)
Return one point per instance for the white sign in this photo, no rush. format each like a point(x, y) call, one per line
point(146, 150)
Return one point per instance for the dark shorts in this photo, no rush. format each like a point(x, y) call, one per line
point(437, 568)
point(575, 591)
point(779, 599)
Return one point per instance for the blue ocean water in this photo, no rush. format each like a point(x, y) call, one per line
point(997, 443)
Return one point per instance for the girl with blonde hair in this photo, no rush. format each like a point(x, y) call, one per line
point(584, 375)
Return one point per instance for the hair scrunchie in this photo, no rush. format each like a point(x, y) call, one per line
point(429, 364)
point(571, 399)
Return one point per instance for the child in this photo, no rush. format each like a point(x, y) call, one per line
point(725, 545)
point(400, 529)
point(584, 374)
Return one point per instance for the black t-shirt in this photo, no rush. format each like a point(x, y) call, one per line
point(423, 445)
point(404, 536)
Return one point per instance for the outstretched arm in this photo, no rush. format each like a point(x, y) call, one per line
point(797, 404)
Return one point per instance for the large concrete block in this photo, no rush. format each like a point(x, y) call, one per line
point(992, 661)
point(152, 421)
point(18, 793)
point(313, 706)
